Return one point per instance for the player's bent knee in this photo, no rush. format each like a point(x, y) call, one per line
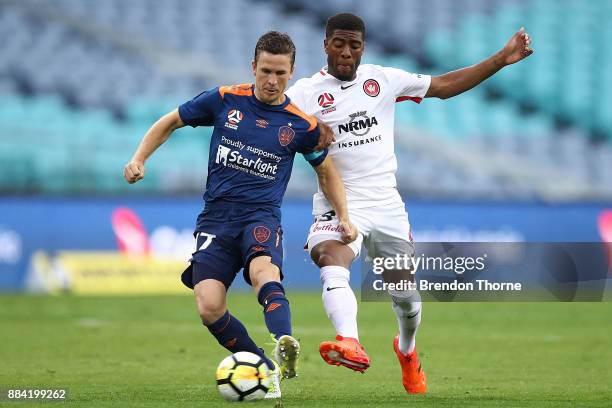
point(324, 259)
point(262, 271)
point(409, 301)
point(332, 253)
point(210, 312)
point(210, 300)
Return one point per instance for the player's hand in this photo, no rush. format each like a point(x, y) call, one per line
point(349, 231)
point(134, 171)
point(517, 48)
point(326, 137)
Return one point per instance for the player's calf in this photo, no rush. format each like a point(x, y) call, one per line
point(277, 315)
point(227, 329)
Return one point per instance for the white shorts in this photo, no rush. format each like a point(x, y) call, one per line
point(384, 230)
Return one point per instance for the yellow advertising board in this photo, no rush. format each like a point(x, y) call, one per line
point(106, 272)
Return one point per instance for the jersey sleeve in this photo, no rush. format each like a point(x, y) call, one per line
point(202, 110)
point(406, 85)
point(297, 95)
point(307, 145)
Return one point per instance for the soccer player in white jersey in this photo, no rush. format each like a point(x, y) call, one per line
point(358, 102)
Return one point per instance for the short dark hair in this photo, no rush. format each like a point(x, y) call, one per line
point(276, 43)
point(344, 21)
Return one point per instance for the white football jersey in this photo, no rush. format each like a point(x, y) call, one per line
point(362, 115)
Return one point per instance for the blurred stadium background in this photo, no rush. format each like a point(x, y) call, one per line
point(526, 156)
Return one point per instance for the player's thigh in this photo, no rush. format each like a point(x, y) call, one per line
point(261, 246)
point(210, 296)
point(216, 257)
point(325, 244)
point(390, 233)
point(391, 237)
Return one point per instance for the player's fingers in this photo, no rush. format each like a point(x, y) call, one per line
point(346, 232)
point(140, 174)
point(350, 233)
point(133, 172)
point(323, 144)
point(127, 173)
point(326, 137)
point(136, 169)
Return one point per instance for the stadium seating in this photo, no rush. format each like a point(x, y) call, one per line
point(570, 78)
point(71, 126)
point(51, 148)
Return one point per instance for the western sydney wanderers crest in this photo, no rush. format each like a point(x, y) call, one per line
point(371, 87)
point(285, 135)
point(261, 234)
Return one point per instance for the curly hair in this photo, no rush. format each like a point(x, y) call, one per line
point(344, 21)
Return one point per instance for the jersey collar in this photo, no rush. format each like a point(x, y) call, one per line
point(264, 105)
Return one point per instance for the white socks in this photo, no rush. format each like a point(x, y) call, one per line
point(339, 300)
point(407, 308)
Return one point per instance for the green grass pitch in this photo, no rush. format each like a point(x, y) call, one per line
point(152, 351)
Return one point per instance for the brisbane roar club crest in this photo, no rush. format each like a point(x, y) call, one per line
point(285, 135)
point(261, 234)
point(371, 87)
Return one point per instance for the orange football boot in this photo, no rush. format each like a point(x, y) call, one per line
point(413, 376)
point(345, 351)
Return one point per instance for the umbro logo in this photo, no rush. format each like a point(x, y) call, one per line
point(231, 343)
point(347, 87)
point(273, 307)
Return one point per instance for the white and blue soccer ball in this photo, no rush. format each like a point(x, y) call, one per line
point(243, 376)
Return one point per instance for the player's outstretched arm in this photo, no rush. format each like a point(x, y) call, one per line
point(155, 136)
point(456, 82)
point(333, 188)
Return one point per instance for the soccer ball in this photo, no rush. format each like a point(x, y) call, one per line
point(243, 376)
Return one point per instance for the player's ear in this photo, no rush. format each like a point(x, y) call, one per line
point(325, 45)
point(254, 66)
